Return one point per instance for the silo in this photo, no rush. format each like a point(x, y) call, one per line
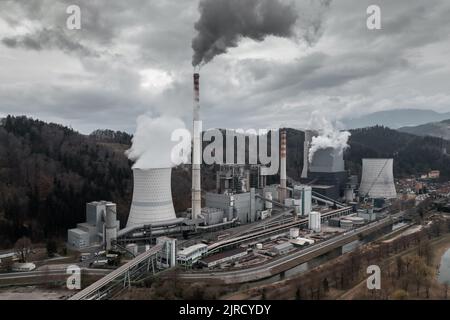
point(349, 195)
point(110, 225)
point(314, 221)
point(152, 197)
point(377, 179)
point(268, 196)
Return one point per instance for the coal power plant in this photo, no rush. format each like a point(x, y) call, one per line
point(253, 215)
point(243, 195)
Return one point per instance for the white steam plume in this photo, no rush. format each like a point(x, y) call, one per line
point(329, 136)
point(152, 146)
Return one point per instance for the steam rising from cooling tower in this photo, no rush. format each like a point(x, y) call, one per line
point(223, 23)
point(151, 150)
point(329, 137)
point(152, 145)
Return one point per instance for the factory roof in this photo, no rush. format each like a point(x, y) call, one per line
point(78, 231)
point(283, 246)
point(223, 255)
point(189, 250)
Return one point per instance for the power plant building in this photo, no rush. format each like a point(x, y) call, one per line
point(241, 206)
point(101, 225)
point(152, 197)
point(377, 179)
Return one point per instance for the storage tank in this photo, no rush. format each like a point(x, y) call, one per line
point(357, 221)
point(152, 197)
point(110, 225)
point(346, 224)
point(315, 221)
point(259, 246)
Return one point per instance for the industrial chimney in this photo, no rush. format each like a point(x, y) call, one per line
point(283, 190)
point(196, 154)
point(152, 197)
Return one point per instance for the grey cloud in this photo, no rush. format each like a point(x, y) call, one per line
point(224, 22)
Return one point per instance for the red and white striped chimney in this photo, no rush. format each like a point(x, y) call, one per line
point(283, 190)
point(196, 152)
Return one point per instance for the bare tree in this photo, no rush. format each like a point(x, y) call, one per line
point(23, 248)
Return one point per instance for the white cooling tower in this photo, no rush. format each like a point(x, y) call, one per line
point(152, 197)
point(378, 179)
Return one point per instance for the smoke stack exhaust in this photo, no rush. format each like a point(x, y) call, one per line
point(196, 158)
point(283, 191)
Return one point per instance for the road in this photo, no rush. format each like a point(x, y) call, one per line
point(50, 272)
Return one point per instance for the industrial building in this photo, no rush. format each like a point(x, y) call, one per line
point(190, 255)
point(377, 179)
point(167, 256)
point(223, 257)
point(282, 248)
point(101, 226)
point(242, 206)
point(326, 171)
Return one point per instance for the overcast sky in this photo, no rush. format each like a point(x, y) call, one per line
point(134, 57)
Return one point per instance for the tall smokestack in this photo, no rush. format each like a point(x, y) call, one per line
point(196, 158)
point(283, 191)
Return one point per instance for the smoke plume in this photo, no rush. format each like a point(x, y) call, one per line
point(329, 136)
point(224, 22)
point(152, 145)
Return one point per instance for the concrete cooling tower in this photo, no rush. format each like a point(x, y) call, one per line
point(152, 197)
point(327, 160)
point(378, 179)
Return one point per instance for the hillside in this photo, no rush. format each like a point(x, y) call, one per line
point(48, 172)
point(435, 129)
point(413, 155)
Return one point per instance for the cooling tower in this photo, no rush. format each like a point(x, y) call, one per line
point(306, 145)
point(152, 197)
point(327, 160)
point(378, 179)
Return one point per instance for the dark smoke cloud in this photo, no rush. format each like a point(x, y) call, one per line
point(47, 39)
point(224, 22)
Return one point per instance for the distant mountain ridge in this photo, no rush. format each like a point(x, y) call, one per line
point(434, 129)
point(395, 119)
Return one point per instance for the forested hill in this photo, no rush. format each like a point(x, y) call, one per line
point(47, 174)
point(413, 155)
